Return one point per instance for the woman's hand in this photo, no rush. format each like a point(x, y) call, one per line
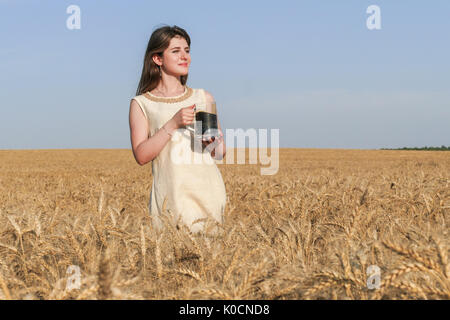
point(184, 116)
point(211, 140)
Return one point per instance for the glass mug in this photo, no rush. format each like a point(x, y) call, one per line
point(205, 123)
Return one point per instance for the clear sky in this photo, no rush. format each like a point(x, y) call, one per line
point(311, 69)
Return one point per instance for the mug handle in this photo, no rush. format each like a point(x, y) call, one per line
point(191, 127)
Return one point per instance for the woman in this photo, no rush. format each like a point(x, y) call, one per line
point(160, 115)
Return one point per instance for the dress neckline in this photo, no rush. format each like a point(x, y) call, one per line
point(181, 97)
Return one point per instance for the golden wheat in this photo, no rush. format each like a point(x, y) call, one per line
point(309, 232)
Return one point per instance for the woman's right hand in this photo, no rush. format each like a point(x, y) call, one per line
point(184, 116)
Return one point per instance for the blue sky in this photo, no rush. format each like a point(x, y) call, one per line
point(311, 69)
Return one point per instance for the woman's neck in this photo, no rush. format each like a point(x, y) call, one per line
point(169, 86)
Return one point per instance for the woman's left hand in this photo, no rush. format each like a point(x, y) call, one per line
point(211, 140)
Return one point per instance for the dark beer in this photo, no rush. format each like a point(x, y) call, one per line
point(206, 125)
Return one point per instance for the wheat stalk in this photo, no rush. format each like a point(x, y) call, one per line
point(230, 268)
point(319, 287)
point(434, 291)
point(390, 278)
point(348, 272)
point(8, 247)
point(244, 288)
point(443, 257)
point(19, 232)
point(283, 292)
point(190, 273)
point(213, 293)
point(76, 246)
point(104, 277)
point(413, 254)
point(410, 288)
point(143, 247)
point(100, 201)
point(159, 269)
point(4, 288)
point(88, 292)
point(126, 282)
point(198, 250)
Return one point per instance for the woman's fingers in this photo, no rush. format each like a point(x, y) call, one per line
point(211, 140)
point(188, 118)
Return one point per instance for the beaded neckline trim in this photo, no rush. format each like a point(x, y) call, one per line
point(187, 93)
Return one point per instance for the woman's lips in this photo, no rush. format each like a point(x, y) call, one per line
point(183, 64)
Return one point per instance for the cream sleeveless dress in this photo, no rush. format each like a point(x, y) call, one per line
point(187, 185)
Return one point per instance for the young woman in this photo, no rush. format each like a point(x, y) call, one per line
point(160, 115)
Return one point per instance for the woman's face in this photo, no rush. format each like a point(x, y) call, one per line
point(177, 57)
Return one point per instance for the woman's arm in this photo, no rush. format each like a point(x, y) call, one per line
point(145, 147)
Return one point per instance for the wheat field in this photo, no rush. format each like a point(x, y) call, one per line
point(311, 231)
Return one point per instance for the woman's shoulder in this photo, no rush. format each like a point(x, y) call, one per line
point(207, 94)
point(139, 97)
point(202, 89)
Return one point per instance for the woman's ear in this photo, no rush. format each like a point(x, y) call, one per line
point(157, 59)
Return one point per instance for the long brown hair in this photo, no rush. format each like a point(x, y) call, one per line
point(159, 41)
